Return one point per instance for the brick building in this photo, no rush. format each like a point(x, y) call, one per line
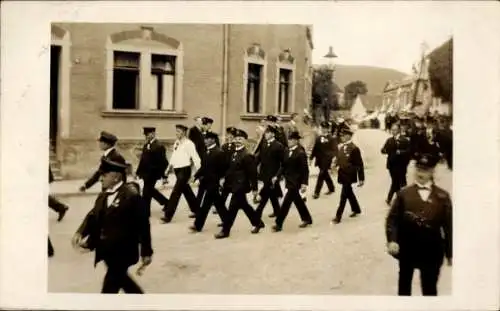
point(121, 77)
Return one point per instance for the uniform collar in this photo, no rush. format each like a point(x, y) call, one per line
point(107, 151)
point(114, 188)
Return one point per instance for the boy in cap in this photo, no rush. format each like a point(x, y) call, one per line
point(419, 229)
point(195, 134)
point(350, 170)
point(107, 142)
point(211, 171)
point(241, 178)
point(269, 161)
point(295, 171)
point(324, 151)
point(117, 229)
point(183, 158)
point(207, 127)
point(151, 168)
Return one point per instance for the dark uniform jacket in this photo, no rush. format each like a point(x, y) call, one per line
point(416, 225)
point(227, 149)
point(350, 164)
point(212, 168)
point(242, 172)
point(270, 159)
point(398, 152)
point(196, 136)
point(430, 145)
point(295, 169)
point(281, 136)
point(153, 161)
point(324, 150)
point(118, 232)
point(51, 176)
point(113, 156)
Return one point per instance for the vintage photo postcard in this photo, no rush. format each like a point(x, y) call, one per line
point(259, 155)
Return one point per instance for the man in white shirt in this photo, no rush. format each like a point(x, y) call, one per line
point(419, 229)
point(183, 157)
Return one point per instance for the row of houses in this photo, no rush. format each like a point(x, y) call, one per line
point(399, 95)
point(121, 77)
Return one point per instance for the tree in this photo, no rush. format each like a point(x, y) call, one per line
point(352, 90)
point(324, 92)
point(441, 71)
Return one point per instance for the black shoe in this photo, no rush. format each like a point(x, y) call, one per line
point(336, 220)
point(62, 213)
point(277, 228)
point(305, 224)
point(165, 220)
point(221, 235)
point(193, 229)
point(354, 214)
point(51, 254)
point(315, 196)
point(256, 230)
point(388, 201)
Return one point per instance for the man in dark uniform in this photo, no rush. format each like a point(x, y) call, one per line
point(269, 161)
point(419, 229)
point(107, 142)
point(152, 168)
point(430, 142)
point(207, 127)
point(398, 151)
point(211, 171)
point(54, 203)
point(196, 136)
point(116, 228)
point(228, 149)
point(183, 158)
point(241, 178)
point(324, 151)
point(350, 170)
point(295, 171)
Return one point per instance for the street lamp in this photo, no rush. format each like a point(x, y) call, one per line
point(330, 63)
point(330, 59)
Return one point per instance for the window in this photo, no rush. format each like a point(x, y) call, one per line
point(162, 82)
point(254, 84)
point(284, 91)
point(144, 74)
point(126, 80)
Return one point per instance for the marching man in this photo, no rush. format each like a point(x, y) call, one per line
point(419, 229)
point(117, 229)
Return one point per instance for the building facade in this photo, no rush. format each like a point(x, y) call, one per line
point(398, 95)
point(121, 77)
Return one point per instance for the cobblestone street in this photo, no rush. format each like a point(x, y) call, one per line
point(344, 259)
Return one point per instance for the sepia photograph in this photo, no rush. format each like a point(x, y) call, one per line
point(161, 133)
point(257, 156)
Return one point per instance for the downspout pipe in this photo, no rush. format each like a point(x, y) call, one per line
point(225, 66)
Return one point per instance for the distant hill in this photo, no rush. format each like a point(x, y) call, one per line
point(374, 77)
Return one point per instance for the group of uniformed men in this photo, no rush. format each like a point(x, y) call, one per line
point(119, 222)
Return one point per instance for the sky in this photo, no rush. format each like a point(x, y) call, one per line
point(382, 35)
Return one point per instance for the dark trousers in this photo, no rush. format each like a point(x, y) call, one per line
point(117, 278)
point(56, 205)
point(51, 249)
point(347, 194)
point(398, 181)
point(293, 196)
point(239, 201)
point(211, 197)
point(429, 276)
point(150, 192)
point(201, 192)
point(269, 192)
point(181, 187)
point(324, 176)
